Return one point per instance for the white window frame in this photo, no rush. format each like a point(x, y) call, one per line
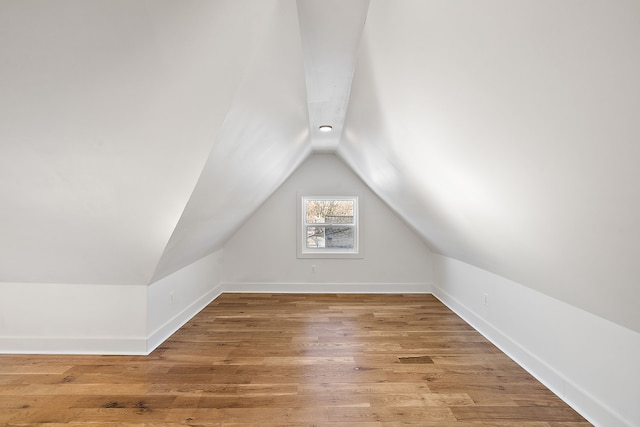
point(305, 252)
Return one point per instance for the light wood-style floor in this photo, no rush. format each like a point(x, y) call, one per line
point(291, 360)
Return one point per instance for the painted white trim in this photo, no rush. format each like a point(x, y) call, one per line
point(161, 334)
point(579, 399)
point(76, 345)
point(333, 288)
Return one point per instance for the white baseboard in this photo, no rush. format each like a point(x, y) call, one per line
point(144, 346)
point(584, 403)
point(66, 345)
point(176, 322)
point(330, 288)
point(581, 400)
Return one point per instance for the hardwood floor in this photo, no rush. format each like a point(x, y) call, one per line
point(291, 360)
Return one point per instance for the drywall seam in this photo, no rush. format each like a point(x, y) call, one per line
point(591, 408)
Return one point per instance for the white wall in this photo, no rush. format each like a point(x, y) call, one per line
point(588, 361)
point(175, 299)
point(261, 255)
point(104, 319)
point(62, 318)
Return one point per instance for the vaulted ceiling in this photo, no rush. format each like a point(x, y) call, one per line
point(136, 137)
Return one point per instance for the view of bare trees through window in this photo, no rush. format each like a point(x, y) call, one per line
point(333, 223)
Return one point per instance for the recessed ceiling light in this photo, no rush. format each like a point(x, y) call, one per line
point(325, 128)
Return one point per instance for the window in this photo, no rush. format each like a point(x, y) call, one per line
point(328, 227)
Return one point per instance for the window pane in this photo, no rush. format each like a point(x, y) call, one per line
point(339, 237)
point(330, 237)
point(315, 237)
point(329, 211)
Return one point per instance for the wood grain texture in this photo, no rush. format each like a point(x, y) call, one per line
point(291, 360)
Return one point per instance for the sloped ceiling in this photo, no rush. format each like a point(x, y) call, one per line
point(135, 137)
point(299, 79)
point(508, 135)
point(109, 112)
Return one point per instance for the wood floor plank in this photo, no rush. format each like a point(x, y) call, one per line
point(291, 360)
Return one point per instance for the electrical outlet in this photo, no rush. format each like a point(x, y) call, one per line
point(313, 268)
point(171, 297)
point(486, 299)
